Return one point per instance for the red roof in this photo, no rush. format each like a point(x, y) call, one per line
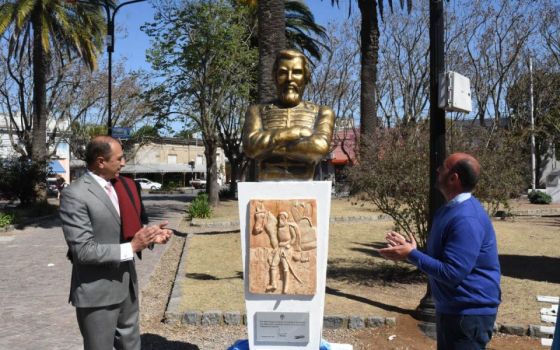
point(344, 138)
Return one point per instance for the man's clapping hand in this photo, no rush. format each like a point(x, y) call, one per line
point(157, 234)
point(398, 247)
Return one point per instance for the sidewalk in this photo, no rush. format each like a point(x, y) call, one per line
point(35, 282)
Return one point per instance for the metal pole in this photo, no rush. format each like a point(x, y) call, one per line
point(532, 113)
point(110, 50)
point(110, 43)
point(426, 309)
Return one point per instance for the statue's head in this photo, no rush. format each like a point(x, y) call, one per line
point(291, 73)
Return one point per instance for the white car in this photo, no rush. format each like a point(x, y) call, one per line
point(146, 184)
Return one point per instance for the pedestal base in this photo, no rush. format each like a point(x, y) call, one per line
point(284, 321)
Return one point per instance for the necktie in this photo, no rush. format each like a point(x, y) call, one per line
point(113, 196)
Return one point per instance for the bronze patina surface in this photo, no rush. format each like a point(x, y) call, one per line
point(288, 137)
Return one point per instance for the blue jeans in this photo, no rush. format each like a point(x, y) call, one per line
point(464, 332)
point(556, 341)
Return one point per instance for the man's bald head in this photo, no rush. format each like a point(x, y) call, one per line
point(99, 146)
point(466, 167)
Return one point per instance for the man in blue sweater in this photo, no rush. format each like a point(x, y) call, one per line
point(461, 259)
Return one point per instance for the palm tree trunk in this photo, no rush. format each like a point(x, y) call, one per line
point(369, 36)
point(272, 38)
point(39, 118)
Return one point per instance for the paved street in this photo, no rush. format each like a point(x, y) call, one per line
point(35, 280)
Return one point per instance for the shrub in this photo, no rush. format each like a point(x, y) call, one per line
point(538, 197)
point(393, 172)
point(20, 179)
point(7, 219)
point(171, 185)
point(199, 207)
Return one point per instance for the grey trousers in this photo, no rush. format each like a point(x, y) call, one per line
point(110, 327)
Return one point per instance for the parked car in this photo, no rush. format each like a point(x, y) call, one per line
point(147, 184)
point(52, 187)
point(198, 183)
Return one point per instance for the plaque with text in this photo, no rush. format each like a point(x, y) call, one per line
point(278, 328)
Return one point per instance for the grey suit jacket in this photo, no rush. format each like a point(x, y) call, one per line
point(92, 229)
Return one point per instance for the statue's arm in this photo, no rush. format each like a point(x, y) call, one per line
point(255, 140)
point(258, 142)
point(318, 144)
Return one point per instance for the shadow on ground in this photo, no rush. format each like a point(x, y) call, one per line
point(207, 277)
point(387, 307)
point(156, 342)
point(536, 268)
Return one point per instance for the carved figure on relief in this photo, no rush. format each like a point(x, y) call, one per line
point(286, 246)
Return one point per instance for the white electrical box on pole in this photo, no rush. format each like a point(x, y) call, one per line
point(454, 93)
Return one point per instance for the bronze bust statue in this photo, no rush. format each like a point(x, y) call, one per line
point(288, 137)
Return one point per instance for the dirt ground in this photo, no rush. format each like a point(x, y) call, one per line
point(360, 282)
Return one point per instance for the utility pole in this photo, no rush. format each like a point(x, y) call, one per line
point(426, 309)
point(532, 114)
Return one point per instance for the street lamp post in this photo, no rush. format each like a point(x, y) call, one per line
point(110, 12)
point(426, 309)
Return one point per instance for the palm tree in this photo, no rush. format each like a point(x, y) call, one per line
point(50, 29)
point(298, 25)
point(272, 38)
point(369, 36)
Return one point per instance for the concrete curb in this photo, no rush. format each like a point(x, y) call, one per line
point(234, 224)
point(27, 222)
point(536, 212)
point(171, 314)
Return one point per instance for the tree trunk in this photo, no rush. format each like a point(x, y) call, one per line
point(369, 36)
point(272, 38)
point(210, 148)
point(234, 175)
point(39, 119)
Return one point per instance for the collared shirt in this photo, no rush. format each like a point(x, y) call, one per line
point(460, 198)
point(126, 248)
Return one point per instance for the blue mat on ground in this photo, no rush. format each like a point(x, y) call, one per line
point(243, 344)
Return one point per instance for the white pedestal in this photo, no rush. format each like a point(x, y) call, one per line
point(313, 305)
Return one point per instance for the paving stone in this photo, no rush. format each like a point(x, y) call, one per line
point(375, 321)
point(355, 322)
point(232, 318)
point(172, 318)
point(333, 321)
point(211, 318)
point(513, 329)
point(192, 317)
point(390, 321)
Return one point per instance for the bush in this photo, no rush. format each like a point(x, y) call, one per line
point(20, 179)
point(538, 197)
point(393, 172)
point(170, 186)
point(7, 219)
point(200, 208)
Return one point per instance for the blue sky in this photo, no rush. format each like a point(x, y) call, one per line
point(131, 43)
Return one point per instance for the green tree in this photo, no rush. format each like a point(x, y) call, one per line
point(49, 29)
point(202, 52)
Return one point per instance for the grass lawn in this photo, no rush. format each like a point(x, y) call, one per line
point(361, 282)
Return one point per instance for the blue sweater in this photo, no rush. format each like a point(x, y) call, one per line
point(462, 260)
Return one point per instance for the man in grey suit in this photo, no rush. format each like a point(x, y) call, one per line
point(104, 287)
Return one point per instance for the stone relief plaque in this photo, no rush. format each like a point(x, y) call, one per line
point(283, 246)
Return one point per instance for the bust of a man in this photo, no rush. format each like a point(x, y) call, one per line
point(288, 137)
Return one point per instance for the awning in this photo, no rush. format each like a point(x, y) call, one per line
point(56, 167)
